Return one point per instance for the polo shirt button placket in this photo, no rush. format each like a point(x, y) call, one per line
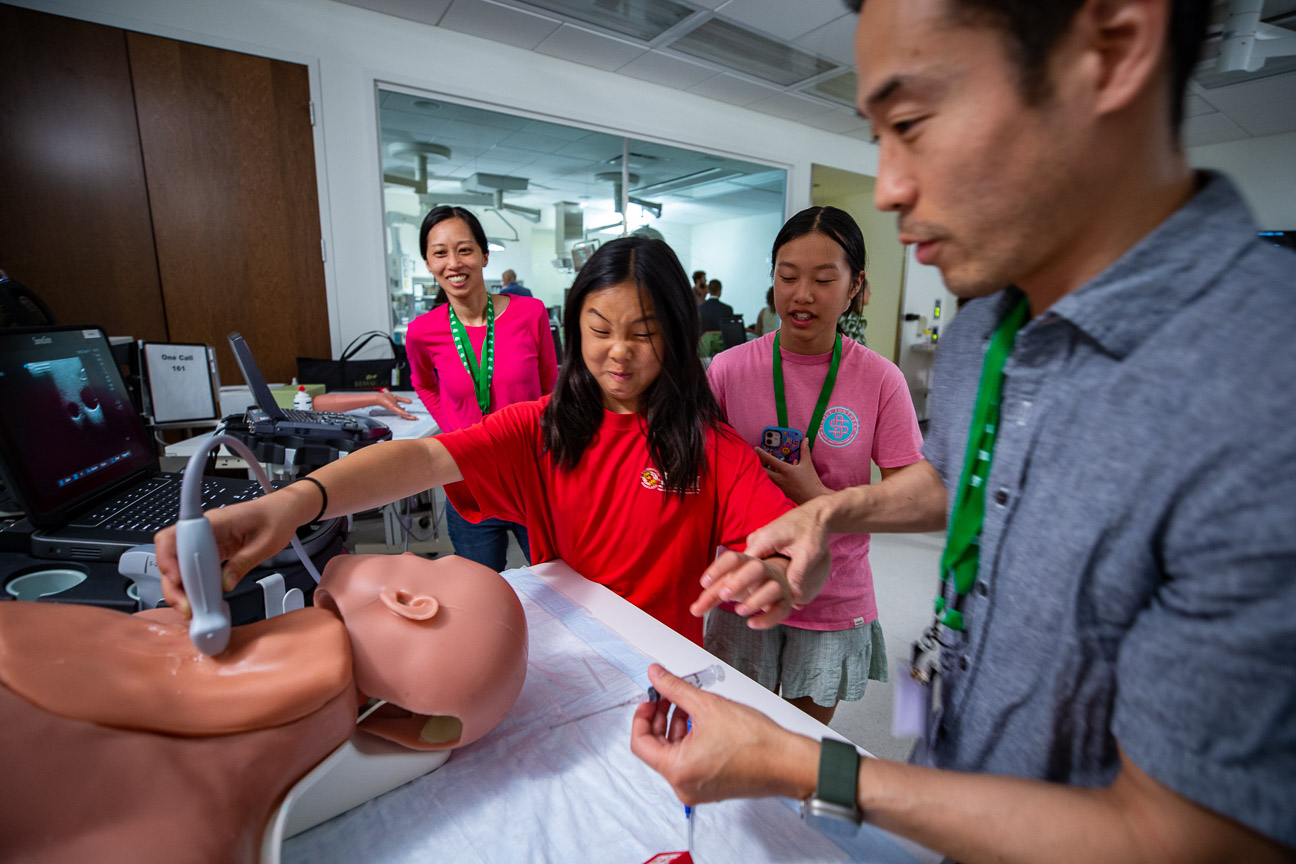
point(1001, 497)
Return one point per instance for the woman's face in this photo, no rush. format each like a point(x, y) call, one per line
point(812, 288)
point(455, 259)
point(621, 344)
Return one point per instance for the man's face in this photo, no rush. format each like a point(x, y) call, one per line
point(985, 185)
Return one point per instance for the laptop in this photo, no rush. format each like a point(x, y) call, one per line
point(268, 419)
point(77, 456)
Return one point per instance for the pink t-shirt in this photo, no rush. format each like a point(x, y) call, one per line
point(525, 365)
point(870, 416)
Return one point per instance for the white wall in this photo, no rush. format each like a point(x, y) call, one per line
point(1264, 169)
point(347, 49)
point(736, 251)
point(923, 287)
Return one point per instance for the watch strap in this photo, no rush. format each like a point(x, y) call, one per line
point(838, 773)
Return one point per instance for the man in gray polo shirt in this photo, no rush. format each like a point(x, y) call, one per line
point(1127, 624)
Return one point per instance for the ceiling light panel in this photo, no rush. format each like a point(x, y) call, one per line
point(638, 19)
point(491, 20)
point(839, 88)
point(736, 47)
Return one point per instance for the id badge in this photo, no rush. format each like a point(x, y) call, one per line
point(916, 687)
point(908, 703)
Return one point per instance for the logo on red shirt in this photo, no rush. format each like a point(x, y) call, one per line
point(651, 478)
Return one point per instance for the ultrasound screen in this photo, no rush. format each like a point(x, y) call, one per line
point(69, 428)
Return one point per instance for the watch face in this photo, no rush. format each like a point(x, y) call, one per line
point(830, 819)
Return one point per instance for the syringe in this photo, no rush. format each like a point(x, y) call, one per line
point(704, 678)
point(701, 679)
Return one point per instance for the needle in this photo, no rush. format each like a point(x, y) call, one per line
point(633, 701)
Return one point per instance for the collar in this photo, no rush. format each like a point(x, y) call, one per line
point(1180, 259)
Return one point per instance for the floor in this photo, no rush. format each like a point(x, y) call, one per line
point(904, 576)
point(905, 568)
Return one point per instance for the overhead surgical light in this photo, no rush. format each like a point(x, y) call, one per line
point(1248, 42)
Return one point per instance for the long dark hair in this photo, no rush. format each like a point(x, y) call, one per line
point(444, 212)
point(678, 407)
point(839, 227)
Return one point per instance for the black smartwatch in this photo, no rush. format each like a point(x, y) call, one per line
point(832, 808)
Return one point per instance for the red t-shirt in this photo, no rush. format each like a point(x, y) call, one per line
point(611, 518)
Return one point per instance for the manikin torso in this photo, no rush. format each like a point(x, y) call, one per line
point(122, 742)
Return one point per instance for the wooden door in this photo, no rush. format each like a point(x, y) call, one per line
point(229, 156)
point(74, 210)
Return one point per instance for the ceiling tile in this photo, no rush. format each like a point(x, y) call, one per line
point(789, 106)
point(500, 23)
point(425, 11)
point(1210, 129)
point(786, 20)
point(535, 142)
point(588, 48)
point(556, 130)
point(837, 120)
point(1195, 106)
point(674, 72)
point(1264, 107)
point(732, 89)
point(834, 40)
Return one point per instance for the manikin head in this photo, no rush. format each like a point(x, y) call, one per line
point(444, 642)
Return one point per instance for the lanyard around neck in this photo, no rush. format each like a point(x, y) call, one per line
point(480, 373)
point(962, 547)
point(825, 392)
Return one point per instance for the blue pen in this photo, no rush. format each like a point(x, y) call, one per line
point(688, 811)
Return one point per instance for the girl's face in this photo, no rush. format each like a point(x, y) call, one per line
point(812, 288)
point(455, 259)
point(621, 344)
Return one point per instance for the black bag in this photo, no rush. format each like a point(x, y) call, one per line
point(348, 374)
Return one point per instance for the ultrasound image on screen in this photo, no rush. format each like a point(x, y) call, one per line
point(80, 402)
point(77, 430)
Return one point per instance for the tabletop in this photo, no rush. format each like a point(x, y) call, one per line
point(556, 780)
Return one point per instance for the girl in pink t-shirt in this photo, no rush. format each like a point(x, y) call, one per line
point(827, 651)
point(474, 355)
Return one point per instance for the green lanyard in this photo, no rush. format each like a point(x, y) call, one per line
point(480, 374)
point(962, 547)
point(780, 401)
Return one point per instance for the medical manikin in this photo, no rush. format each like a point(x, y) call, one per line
point(122, 742)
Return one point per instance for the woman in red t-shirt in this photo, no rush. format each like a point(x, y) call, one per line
point(627, 472)
point(473, 355)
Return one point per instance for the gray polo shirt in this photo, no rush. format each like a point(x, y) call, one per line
point(1137, 582)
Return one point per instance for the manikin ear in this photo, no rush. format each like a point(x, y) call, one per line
point(1125, 42)
point(416, 607)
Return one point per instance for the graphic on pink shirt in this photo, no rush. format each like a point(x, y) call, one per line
point(840, 426)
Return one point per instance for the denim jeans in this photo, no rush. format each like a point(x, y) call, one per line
point(485, 542)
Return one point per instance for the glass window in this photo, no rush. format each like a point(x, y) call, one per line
point(547, 194)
